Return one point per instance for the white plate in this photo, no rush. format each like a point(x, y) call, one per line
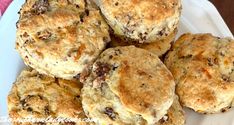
point(198, 16)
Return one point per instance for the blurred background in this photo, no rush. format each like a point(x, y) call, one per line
point(226, 9)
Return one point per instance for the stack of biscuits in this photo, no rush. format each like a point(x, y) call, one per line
point(108, 61)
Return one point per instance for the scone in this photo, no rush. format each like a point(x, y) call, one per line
point(158, 47)
point(128, 85)
point(203, 68)
point(141, 20)
point(60, 38)
point(174, 116)
point(38, 96)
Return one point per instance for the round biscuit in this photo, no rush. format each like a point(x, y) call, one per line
point(60, 38)
point(141, 82)
point(203, 68)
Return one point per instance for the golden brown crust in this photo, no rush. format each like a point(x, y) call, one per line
point(39, 96)
point(203, 69)
point(143, 21)
point(158, 47)
point(60, 38)
point(103, 105)
point(139, 79)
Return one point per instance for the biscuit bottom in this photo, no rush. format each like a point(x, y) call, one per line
point(158, 47)
point(174, 116)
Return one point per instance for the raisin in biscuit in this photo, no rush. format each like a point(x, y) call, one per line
point(60, 38)
point(158, 47)
point(203, 69)
point(138, 81)
point(39, 96)
point(103, 105)
point(141, 20)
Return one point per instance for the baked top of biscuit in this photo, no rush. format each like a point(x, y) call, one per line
point(39, 96)
point(203, 68)
point(103, 105)
point(138, 78)
point(156, 10)
point(60, 38)
point(142, 20)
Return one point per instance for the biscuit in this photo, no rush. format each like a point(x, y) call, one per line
point(138, 81)
point(39, 96)
point(158, 47)
point(174, 116)
point(60, 38)
point(142, 21)
point(203, 68)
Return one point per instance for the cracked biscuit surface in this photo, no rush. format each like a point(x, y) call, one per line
point(141, 20)
point(128, 85)
point(203, 68)
point(38, 96)
point(60, 37)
